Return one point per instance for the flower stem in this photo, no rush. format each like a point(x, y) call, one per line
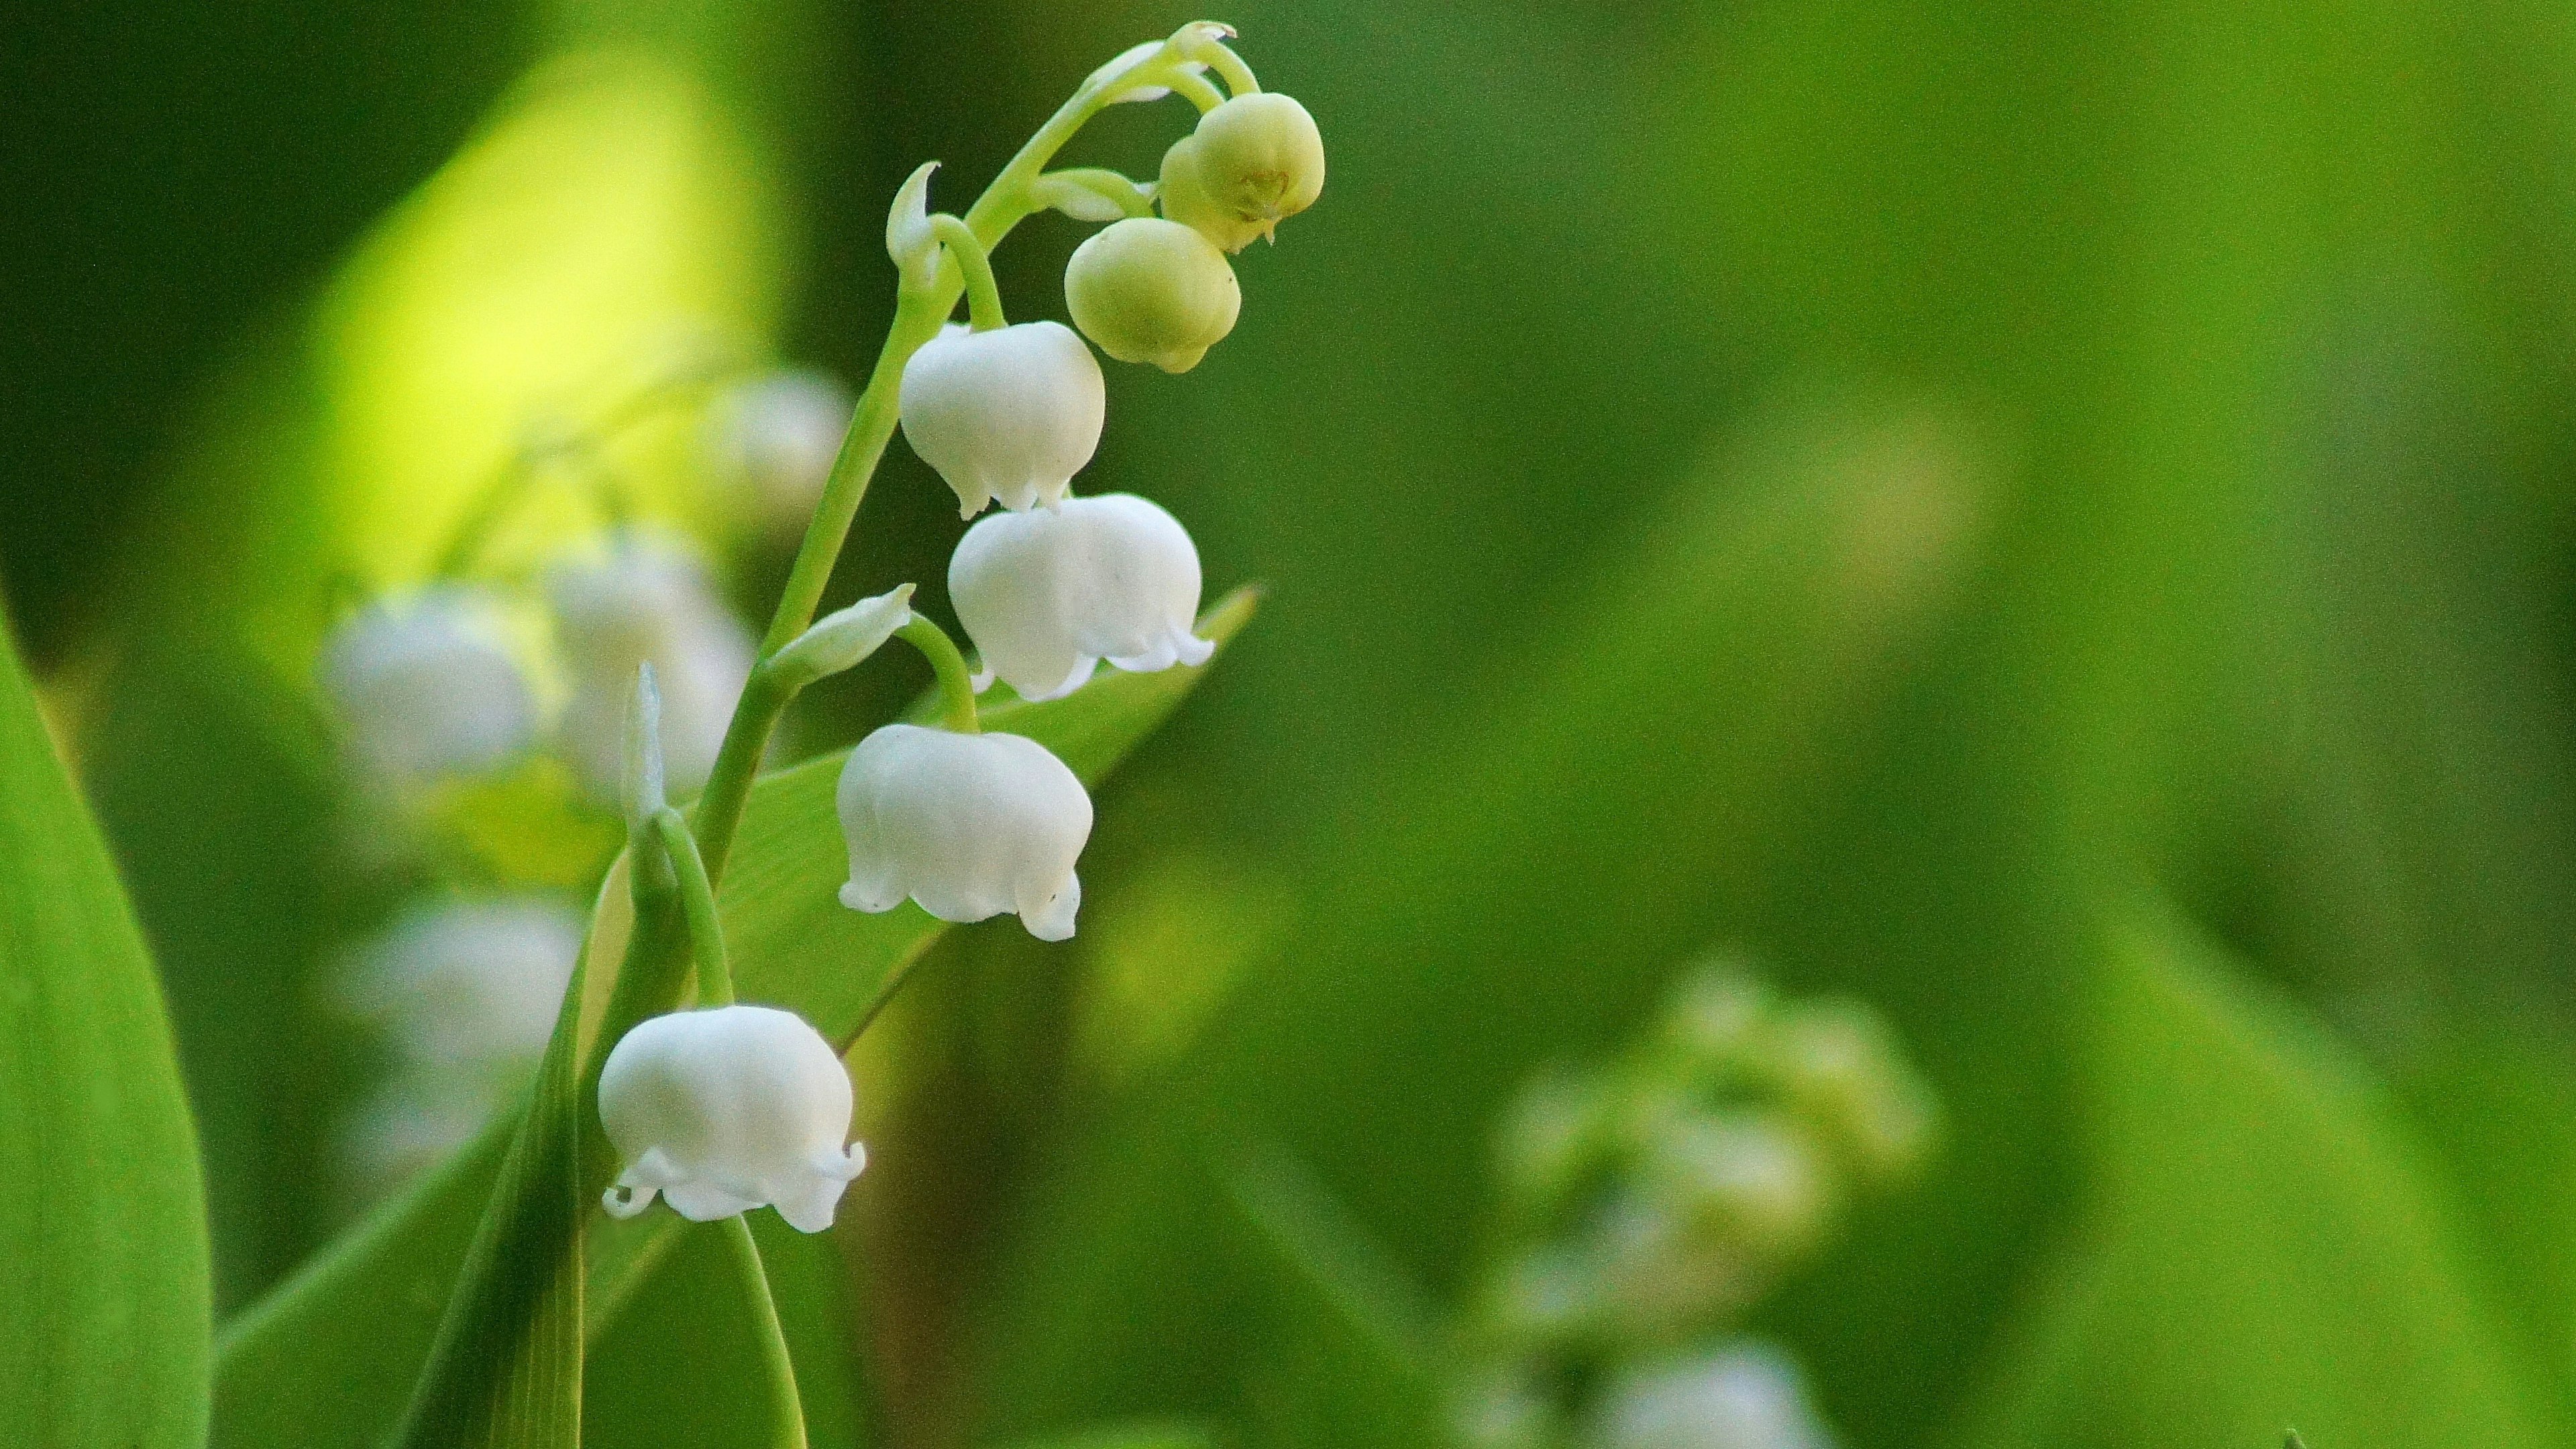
point(698, 904)
point(983, 294)
point(956, 684)
point(785, 1402)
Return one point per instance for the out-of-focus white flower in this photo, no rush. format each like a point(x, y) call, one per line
point(969, 826)
point(1010, 414)
point(646, 602)
point(1745, 1396)
point(1152, 290)
point(411, 1123)
point(1046, 596)
point(469, 982)
point(773, 440)
point(428, 687)
point(728, 1109)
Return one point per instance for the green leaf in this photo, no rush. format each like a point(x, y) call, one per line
point(1127, 1436)
point(104, 1285)
point(505, 1369)
point(2261, 1249)
point(1348, 1357)
point(288, 1369)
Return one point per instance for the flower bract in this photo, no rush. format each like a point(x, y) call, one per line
point(727, 1109)
point(1047, 596)
point(967, 825)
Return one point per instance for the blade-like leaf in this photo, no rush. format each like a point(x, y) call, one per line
point(505, 1371)
point(2262, 1249)
point(1348, 1359)
point(290, 1371)
point(104, 1306)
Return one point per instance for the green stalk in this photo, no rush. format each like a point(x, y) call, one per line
point(785, 1402)
point(956, 684)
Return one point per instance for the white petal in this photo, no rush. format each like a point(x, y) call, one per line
point(725, 1109)
point(960, 821)
point(1046, 595)
point(1011, 414)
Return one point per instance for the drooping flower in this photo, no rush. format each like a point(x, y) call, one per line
point(1252, 163)
point(967, 825)
point(773, 440)
point(1747, 1395)
point(464, 995)
point(1047, 596)
point(728, 1109)
point(428, 687)
point(462, 983)
point(646, 602)
point(1152, 290)
point(1010, 414)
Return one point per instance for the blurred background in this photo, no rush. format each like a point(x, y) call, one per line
point(2051, 521)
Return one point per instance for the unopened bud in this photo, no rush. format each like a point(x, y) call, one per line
point(843, 638)
point(1150, 290)
point(1252, 163)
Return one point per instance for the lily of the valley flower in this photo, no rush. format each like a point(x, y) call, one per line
point(428, 687)
point(774, 439)
point(967, 825)
point(646, 602)
point(1745, 1396)
point(729, 1109)
point(1252, 163)
point(1009, 414)
point(462, 984)
point(1047, 596)
point(1152, 290)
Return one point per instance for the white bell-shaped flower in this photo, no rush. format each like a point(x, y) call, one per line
point(646, 602)
point(1745, 1396)
point(1046, 596)
point(969, 826)
point(728, 1109)
point(461, 984)
point(773, 441)
point(1010, 414)
point(428, 687)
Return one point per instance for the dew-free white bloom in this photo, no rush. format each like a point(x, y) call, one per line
point(728, 1109)
point(1010, 414)
point(1046, 596)
point(646, 602)
point(469, 982)
point(428, 687)
point(773, 440)
point(1746, 1396)
point(969, 826)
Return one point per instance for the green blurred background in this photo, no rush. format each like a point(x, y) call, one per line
point(1954, 502)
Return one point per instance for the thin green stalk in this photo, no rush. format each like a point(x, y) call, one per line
point(785, 1402)
point(983, 294)
point(956, 683)
point(918, 317)
point(698, 905)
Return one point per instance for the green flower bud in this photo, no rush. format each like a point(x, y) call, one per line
point(1186, 200)
point(1149, 290)
point(1253, 162)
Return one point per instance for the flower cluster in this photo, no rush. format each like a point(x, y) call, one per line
point(1649, 1203)
point(721, 1110)
point(501, 690)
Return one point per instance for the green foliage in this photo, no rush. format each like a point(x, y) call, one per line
point(2261, 1247)
point(104, 1309)
point(283, 1374)
point(1345, 1354)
